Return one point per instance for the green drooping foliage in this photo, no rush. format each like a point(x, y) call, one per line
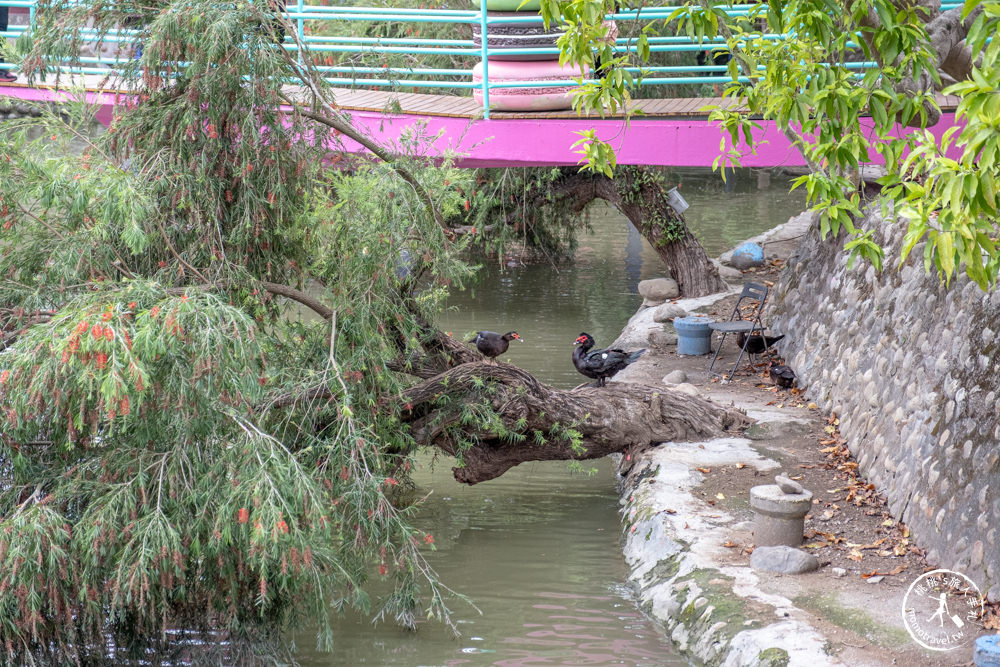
point(841, 117)
point(198, 318)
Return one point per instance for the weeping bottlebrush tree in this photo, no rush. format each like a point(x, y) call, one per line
point(218, 357)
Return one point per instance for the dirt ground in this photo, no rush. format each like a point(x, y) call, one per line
point(867, 559)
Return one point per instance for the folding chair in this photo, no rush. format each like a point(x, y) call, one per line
point(736, 324)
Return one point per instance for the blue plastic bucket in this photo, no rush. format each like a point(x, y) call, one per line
point(694, 337)
point(987, 652)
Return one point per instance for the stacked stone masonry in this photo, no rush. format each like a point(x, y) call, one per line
point(912, 369)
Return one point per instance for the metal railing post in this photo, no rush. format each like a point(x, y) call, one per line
point(301, 30)
point(484, 49)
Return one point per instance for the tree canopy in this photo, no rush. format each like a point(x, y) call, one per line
point(807, 82)
point(218, 357)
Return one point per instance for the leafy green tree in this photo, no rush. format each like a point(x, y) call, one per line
point(197, 314)
point(807, 85)
point(217, 355)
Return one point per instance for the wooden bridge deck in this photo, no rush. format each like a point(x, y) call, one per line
point(665, 132)
point(465, 107)
point(453, 106)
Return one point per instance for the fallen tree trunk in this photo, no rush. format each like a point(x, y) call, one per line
point(493, 417)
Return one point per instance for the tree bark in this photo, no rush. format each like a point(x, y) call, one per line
point(619, 417)
point(638, 193)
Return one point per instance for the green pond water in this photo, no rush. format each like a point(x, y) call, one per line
point(539, 549)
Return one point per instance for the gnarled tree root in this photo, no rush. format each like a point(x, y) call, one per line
point(616, 418)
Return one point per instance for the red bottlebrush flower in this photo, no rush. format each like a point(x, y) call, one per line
point(154, 311)
point(282, 526)
point(229, 196)
point(132, 304)
point(391, 481)
point(429, 539)
point(408, 406)
point(4, 376)
point(109, 333)
point(382, 569)
point(161, 264)
point(466, 204)
point(184, 298)
point(123, 407)
point(65, 356)
point(128, 341)
point(97, 331)
point(82, 326)
point(262, 380)
point(102, 360)
point(139, 385)
point(345, 474)
point(242, 515)
point(107, 316)
point(74, 344)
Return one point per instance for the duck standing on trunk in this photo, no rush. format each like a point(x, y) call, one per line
point(600, 364)
point(492, 345)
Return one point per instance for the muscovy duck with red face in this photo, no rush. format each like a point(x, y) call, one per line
point(492, 345)
point(600, 364)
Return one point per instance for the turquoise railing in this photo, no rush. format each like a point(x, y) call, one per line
point(301, 15)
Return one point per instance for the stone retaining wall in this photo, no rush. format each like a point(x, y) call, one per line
point(912, 369)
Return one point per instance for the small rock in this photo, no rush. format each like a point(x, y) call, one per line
point(667, 312)
point(747, 255)
point(661, 338)
point(688, 389)
point(875, 580)
point(788, 485)
point(657, 290)
point(728, 273)
point(675, 377)
point(784, 560)
point(839, 572)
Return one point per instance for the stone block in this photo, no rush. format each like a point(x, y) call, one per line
point(668, 312)
point(657, 290)
point(783, 559)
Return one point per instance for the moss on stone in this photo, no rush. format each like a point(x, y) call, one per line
point(772, 657)
point(855, 620)
point(726, 607)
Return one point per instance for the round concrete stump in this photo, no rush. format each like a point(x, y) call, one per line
point(779, 516)
point(987, 651)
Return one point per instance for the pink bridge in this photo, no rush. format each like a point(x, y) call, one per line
point(670, 132)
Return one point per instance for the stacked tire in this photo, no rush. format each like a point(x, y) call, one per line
point(513, 36)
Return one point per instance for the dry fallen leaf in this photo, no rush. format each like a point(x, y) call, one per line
point(888, 522)
point(855, 555)
point(741, 466)
point(670, 511)
point(720, 496)
point(704, 470)
point(729, 544)
point(812, 406)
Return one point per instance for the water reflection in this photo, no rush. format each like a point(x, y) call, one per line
point(538, 550)
point(596, 291)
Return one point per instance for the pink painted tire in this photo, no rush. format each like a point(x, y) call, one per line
point(509, 5)
point(546, 98)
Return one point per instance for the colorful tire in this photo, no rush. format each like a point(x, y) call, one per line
point(508, 5)
point(513, 35)
point(543, 98)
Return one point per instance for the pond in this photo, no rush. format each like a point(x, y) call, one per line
point(538, 550)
